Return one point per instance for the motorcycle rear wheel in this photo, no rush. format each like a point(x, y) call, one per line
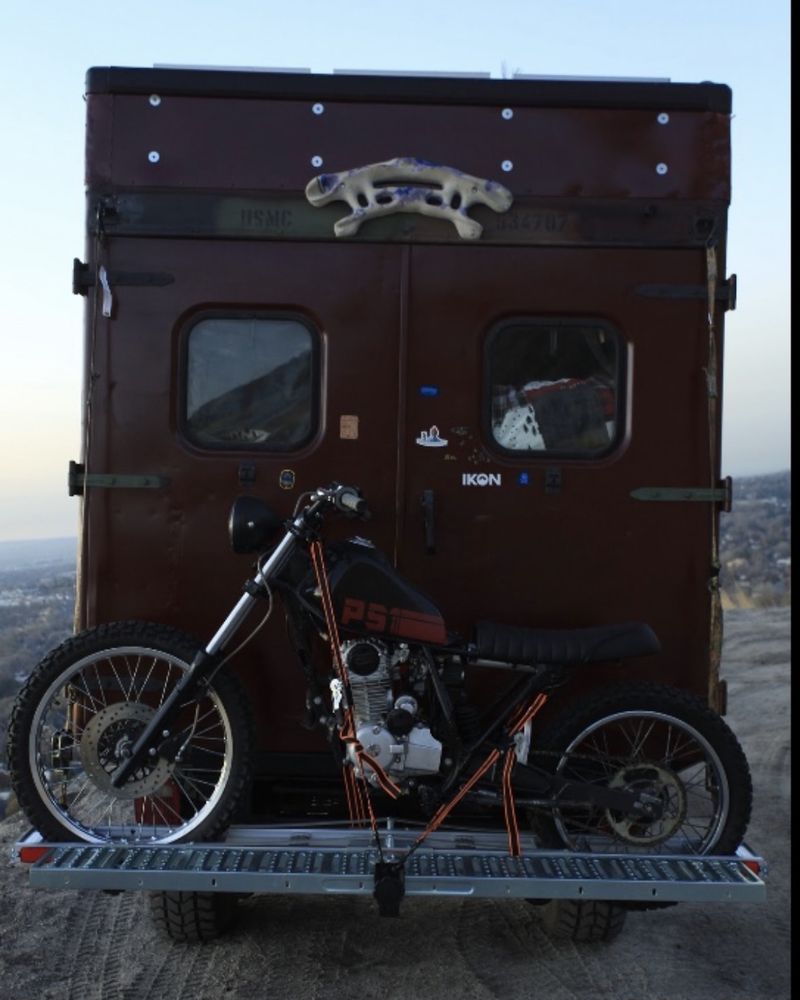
point(83, 708)
point(658, 740)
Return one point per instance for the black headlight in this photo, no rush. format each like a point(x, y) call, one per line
point(252, 525)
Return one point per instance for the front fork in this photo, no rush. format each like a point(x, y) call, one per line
point(155, 739)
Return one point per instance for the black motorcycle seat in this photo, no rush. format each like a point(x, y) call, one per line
point(513, 644)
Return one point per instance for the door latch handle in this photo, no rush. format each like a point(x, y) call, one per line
point(428, 521)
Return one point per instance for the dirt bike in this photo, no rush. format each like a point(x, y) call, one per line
point(135, 731)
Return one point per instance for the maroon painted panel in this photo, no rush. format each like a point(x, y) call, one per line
point(251, 145)
point(587, 553)
point(164, 554)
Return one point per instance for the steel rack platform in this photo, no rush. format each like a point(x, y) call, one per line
point(341, 860)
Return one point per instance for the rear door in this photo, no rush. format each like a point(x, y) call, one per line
point(260, 368)
point(543, 391)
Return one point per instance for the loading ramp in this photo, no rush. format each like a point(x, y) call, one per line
point(341, 860)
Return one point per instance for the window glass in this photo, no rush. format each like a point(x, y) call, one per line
point(553, 387)
point(250, 384)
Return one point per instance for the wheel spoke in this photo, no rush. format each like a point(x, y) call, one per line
point(196, 782)
point(100, 688)
point(164, 688)
point(132, 673)
point(186, 792)
point(110, 662)
point(155, 808)
point(145, 682)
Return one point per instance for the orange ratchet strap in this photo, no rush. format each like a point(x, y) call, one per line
point(518, 722)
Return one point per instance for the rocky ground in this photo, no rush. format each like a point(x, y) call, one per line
point(65, 945)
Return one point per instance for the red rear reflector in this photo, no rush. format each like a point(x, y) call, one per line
point(32, 854)
point(754, 866)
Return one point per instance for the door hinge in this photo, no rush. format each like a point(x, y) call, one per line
point(428, 519)
point(78, 480)
point(725, 293)
point(677, 494)
point(84, 277)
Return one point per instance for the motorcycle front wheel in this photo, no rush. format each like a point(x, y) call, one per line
point(81, 711)
point(655, 740)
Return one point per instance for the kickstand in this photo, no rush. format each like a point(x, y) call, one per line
point(389, 887)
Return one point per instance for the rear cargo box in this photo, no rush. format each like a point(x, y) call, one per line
point(528, 399)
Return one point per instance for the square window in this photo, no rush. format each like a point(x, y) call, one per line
point(554, 387)
point(251, 383)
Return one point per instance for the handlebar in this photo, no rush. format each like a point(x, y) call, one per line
point(346, 499)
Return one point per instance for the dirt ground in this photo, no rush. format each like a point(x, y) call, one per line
point(84, 945)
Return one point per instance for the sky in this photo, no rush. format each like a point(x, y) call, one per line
point(47, 46)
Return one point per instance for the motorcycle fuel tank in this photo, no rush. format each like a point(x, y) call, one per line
point(370, 595)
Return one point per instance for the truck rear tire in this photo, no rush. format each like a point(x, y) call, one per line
point(585, 921)
point(194, 916)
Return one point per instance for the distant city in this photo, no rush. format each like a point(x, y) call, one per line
point(755, 543)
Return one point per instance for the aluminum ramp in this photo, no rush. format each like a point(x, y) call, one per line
point(327, 860)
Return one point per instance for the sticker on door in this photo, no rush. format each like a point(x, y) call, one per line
point(481, 479)
point(431, 438)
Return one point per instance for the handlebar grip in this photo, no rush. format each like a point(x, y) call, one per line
point(349, 499)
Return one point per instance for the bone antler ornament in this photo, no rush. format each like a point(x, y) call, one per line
point(407, 184)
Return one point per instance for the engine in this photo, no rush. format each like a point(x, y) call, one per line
point(388, 725)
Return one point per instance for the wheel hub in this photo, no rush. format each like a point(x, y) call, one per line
point(107, 740)
point(654, 782)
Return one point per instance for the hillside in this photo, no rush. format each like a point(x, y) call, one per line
point(755, 542)
point(36, 605)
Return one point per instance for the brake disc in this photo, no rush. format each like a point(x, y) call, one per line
point(106, 740)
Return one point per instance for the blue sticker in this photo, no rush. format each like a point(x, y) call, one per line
point(429, 390)
point(523, 479)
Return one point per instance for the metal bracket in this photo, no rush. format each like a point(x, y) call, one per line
point(84, 277)
point(406, 184)
point(678, 494)
point(389, 887)
point(247, 473)
point(77, 480)
point(725, 292)
point(552, 480)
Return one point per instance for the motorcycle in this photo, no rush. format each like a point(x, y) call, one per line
point(134, 731)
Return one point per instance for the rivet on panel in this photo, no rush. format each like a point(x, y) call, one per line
point(153, 156)
point(507, 113)
point(316, 161)
point(507, 165)
point(155, 100)
point(318, 109)
point(661, 168)
point(663, 118)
